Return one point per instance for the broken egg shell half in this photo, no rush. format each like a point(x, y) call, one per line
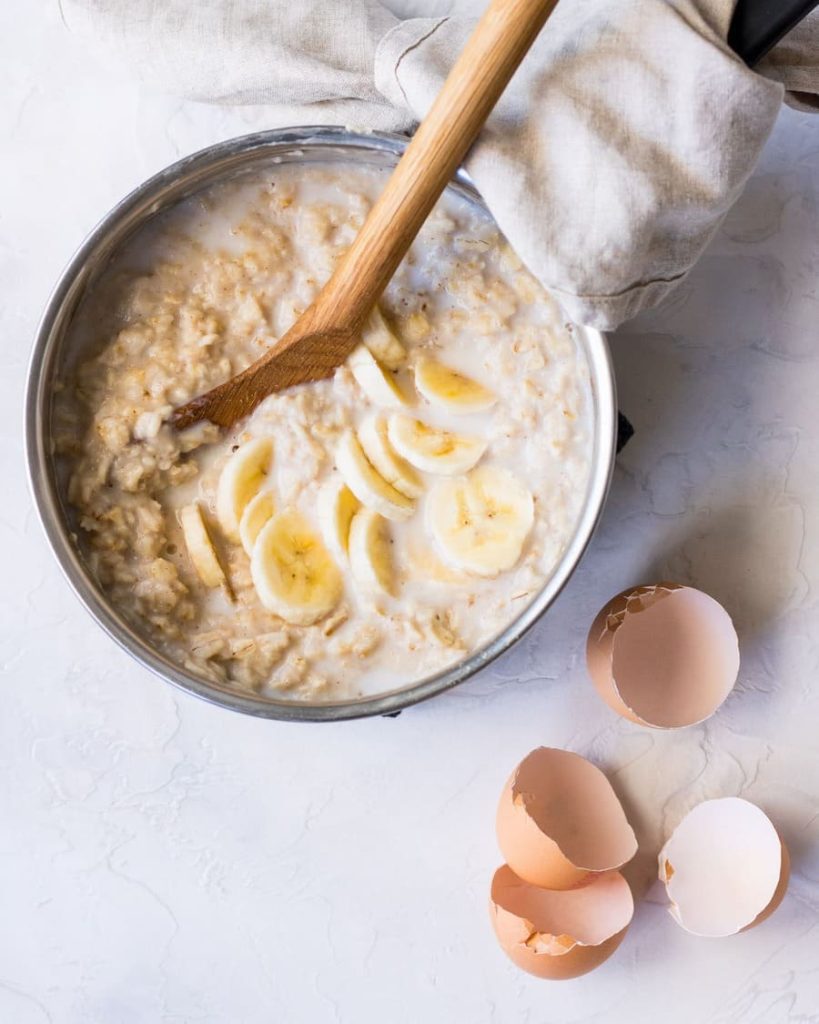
point(725, 868)
point(559, 935)
point(663, 655)
point(560, 821)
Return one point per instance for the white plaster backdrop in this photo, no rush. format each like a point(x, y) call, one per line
point(165, 861)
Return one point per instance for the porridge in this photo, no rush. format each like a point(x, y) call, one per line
point(352, 535)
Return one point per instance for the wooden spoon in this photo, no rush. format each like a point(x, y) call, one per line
point(325, 334)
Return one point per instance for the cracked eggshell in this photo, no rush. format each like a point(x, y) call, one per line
point(724, 868)
point(663, 655)
point(559, 821)
point(559, 935)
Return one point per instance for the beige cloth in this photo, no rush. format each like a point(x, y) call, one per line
point(623, 139)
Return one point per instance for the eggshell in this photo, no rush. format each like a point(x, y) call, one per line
point(559, 935)
point(725, 868)
point(663, 655)
point(559, 821)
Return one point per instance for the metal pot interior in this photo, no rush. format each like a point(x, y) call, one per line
point(51, 359)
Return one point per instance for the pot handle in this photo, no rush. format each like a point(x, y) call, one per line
point(758, 25)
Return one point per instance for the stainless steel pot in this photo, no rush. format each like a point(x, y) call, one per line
point(180, 180)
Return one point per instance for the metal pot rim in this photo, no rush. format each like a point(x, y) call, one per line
point(182, 178)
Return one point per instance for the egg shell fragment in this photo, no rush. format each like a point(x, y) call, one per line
point(559, 935)
point(559, 821)
point(724, 867)
point(663, 655)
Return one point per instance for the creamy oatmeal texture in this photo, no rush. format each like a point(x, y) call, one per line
point(200, 294)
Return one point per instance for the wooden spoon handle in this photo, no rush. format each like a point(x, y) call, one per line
point(497, 46)
point(328, 330)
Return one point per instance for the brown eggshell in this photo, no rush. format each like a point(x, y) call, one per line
point(559, 935)
point(725, 868)
point(559, 821)
point(663, 655)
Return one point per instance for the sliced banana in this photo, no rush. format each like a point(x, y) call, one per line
point(381, 341)
point(257, 511)
point(433, 450)
point(200, 547)
point(372, 436)
point(243, 475)
point(367, 485)
point(375, 380)
point(450, 390)
point(424, 562)
point(371, 552)
point(480, 522)
point(293, 572)
point(336, 507)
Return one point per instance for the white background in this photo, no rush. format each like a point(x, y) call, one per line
point(165, 861)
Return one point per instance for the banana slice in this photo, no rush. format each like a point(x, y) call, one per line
point(336, 507)
point(433, 450)
point(257, 511)
point(292, 570)
point(481, 521)
point(381, 341)
point(200, 548)
point(372, 436)
point(367, 485)
point(371, 552)
point(424, 562)
point(377, 383)
point(241, 479)
point(450, 390)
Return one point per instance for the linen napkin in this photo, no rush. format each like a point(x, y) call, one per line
point(623, 139)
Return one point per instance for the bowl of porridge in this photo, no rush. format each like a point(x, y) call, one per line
point(357, 544)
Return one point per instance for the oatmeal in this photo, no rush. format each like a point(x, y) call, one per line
point(354, 534)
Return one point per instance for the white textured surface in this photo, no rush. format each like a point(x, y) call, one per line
point(164, 861)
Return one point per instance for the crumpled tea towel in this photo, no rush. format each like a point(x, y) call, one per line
point(624, 137)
